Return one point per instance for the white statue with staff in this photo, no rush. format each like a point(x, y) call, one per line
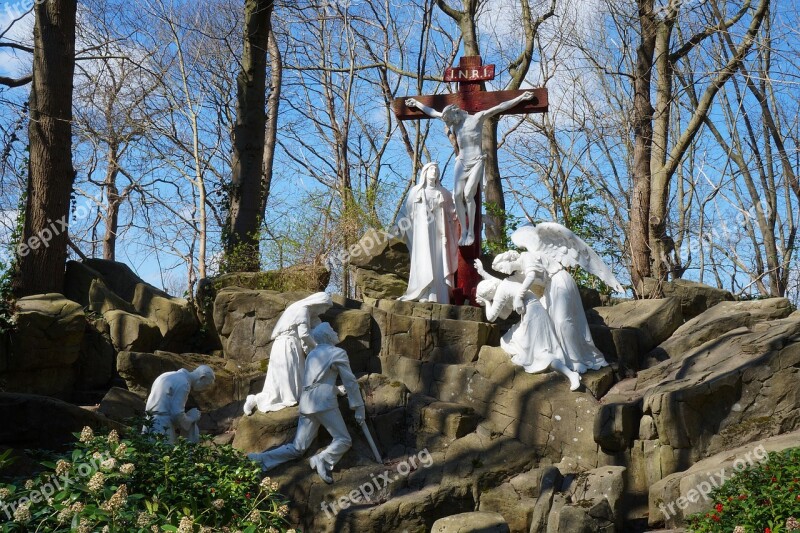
point(319, 407)
point(551, 249)
point(469, 167)
point(291, 341)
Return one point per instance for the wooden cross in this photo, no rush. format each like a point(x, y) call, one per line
point(471, 97)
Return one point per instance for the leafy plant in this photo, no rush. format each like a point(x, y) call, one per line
point(9, 270)
point(142, 483)
point(764, 498)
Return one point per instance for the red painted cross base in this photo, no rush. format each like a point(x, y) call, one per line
point(471, 97)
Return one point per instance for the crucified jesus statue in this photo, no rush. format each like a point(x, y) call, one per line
point(469, 168)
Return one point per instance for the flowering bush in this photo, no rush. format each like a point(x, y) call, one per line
point(765, 498)
point(144, 484)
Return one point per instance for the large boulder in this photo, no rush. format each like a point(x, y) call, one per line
point(717, 321)
point(175, 317)
point(377, 285)
point(304, 278)
point(586, 502)
point(517, 498)
point(695, 298)
point(97, 361)
point(117, 276)
point(44, 345)
point(382, 265)
point(244, 320)
point(380, 252)
point(122, 405)
point(40, 422)
point(261, 431)
point(727, 392)
point(297, 278)
point(653, 320)
point(132, 332)
point(135, 307)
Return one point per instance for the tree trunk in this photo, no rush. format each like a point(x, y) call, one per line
point(241, 242)
point(43, 249)
point(659, 182)
point(494, 219)
point(113, 198)
point(273, 106)
point(638, 233)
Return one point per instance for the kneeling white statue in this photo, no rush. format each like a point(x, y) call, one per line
point(532, 343)
point(319, 407)
point(166, 404)
point(551, 248)
point(291, 341)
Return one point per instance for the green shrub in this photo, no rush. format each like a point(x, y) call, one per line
point(144, 484)
point(764, 498)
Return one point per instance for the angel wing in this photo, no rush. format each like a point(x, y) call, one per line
point(561, 244)
point(312, 306)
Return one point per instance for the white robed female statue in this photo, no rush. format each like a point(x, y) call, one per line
point(431, 233)
point(532, 343)
point(291, 341)
point(551, 248)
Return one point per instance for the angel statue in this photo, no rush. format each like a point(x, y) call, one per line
point(431, 238)
point(291, 341)
point(551, 248)
point(532, 343)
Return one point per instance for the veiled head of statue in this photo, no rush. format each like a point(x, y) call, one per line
point(429, 175)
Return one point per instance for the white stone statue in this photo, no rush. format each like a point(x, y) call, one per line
point(431, 238)
point(551, 248)
point(532, 343)
point(469, 167)
point(319, 407)
point(291, 341)
point(166, 404)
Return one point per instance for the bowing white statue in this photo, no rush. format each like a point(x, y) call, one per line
point(166, 403)
point(551, 248)
point(319, 407)
point(432, 238)
point(292, 339)
point(532, 343)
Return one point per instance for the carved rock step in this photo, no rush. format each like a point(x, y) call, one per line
point(474, 522)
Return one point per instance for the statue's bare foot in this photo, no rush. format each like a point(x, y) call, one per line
point(250, 404)
point(466, 240)
point(574, 381)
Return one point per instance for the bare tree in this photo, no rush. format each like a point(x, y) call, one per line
point(43, 249)
point(247, 185)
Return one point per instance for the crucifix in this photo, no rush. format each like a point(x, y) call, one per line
point(463, 113)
